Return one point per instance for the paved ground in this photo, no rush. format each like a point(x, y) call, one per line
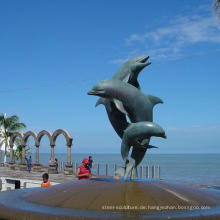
point(59, 178)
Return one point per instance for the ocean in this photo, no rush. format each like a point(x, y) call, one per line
point(201, 169)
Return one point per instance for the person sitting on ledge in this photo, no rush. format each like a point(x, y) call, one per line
point(83, 171)
point(45, 182)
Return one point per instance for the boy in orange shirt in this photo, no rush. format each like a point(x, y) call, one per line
point(45, 182)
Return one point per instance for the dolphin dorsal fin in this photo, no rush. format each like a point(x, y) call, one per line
point(155, 100)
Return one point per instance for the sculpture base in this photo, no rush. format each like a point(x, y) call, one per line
point(68, 170)
point(12, 166)
point(37, 168)
point(109, 199)
point(23, 167)
point(52, 169)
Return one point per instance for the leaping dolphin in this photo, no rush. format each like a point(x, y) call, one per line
point(128, 73)
point(130, 70)
point(139, 131)
point(116, 117)
point(137, 105)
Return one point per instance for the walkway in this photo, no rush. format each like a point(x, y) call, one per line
point(58, 178)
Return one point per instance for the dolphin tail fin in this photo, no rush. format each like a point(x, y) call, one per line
point(120, 172)
point(155, 100)
point(100, 101)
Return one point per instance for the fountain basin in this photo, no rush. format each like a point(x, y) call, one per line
point(110, 199)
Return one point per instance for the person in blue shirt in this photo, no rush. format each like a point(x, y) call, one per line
point(56, 165)
point(29, 163)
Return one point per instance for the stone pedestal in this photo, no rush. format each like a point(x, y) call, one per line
point(12, 166)
point(23, 167)
point(37, 168)
point(52, 169)
point(68, 170)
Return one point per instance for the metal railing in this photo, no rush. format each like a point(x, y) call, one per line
point(101, 169)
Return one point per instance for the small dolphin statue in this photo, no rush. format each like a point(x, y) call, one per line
point(137, 131)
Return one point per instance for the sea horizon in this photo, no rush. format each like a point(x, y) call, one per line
point(195, 168)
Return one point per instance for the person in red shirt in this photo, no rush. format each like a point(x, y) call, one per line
point(83, 171)
point(45, 182)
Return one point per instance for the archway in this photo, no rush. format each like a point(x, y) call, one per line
point(39, 139)
point(26, 136)
point(11, 143)
point(69, 141)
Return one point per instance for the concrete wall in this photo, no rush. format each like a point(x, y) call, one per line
point(6, 183)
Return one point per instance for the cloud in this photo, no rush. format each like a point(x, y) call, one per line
point(169, 41)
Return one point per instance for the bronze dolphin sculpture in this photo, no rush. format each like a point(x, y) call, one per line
point(138, 131)
point(129, 99)
point(128, 72)
point(137, 105)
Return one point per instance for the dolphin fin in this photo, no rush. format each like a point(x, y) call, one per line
point(144, 145)
point(120, 172)
point(100, 101)
point(120, 106)
point(140, 144)
point(151, 146)
point(155, 100)
point(125, 148)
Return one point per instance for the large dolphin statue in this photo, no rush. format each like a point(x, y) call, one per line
point(127, 98)
point(128, 73)
point(137, 105)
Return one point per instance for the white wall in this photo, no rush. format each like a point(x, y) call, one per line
point(29, 183)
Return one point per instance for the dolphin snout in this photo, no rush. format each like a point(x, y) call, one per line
point(97, 92)
point(144, 59)
point(91, 92)
point(141, 63)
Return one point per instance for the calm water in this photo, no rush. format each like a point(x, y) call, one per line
point(203, 169)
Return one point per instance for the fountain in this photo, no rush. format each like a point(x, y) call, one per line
point(121, 197)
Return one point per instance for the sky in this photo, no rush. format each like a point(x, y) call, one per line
point(52, 53)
